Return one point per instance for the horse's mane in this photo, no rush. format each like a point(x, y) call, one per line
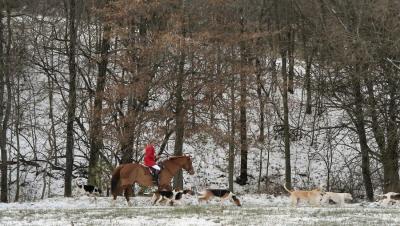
point(174, 157)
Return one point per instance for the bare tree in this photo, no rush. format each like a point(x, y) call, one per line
point(96, 130)
point(5, 86)
point(71, 98)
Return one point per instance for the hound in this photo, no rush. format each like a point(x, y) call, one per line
point(86, 189)
point(391, 198)
point(169, 196)
point(223, 194)
point(338, 198)
point(312, 197)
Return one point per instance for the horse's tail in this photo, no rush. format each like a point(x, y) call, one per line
point(115, 179)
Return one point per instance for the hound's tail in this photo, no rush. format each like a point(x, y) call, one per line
point(78, 182)
point(236, 200)
point(115, 180)
point(286, 189)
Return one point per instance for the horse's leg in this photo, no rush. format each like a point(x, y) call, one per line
point(127, 194)
point(114, 200)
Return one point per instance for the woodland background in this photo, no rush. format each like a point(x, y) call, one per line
point(85, 84)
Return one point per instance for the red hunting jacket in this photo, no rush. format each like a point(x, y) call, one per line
point(150, 156)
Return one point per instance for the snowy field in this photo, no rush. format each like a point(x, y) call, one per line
point(256, 210)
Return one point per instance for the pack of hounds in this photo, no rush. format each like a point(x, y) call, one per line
point(168, 197)
point(317, 196)
point(314, 197)
point(174, 196)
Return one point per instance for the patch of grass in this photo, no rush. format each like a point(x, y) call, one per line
point(187, 210)
point(225, 215)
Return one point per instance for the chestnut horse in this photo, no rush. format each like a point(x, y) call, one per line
point(125, 175)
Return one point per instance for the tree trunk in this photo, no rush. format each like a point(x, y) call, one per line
point(4, 175)
point(390, 157)
point(231, 160)
point(360, 127)
point(128, 131)
point(261, 104)
point(179, 119)
point(52, 136)
point(288, 174)
point(261, 137)
point(180, 108)
point(71, 100)
point(243, 130)
point(242, 109)
point(376, 127)
point(274, 74)
point(291, 46)
point(6, 84)
point(308, 84)
point(96, 132)
point(17, 133)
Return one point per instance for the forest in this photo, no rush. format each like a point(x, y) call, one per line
point(86, 84)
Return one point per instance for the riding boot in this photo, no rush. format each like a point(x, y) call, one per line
point(155, 176)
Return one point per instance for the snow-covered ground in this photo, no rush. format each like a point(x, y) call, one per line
point(256, 210)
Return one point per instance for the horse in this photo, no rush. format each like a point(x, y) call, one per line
point(125, 175)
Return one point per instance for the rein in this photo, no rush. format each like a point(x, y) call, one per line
point(169, 159)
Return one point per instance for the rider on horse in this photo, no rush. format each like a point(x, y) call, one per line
point(150, 161)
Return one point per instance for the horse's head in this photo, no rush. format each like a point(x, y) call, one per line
point(188, 165)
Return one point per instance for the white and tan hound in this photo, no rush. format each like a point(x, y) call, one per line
point(313, 197)
point(169, 196)
point(223, 194)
